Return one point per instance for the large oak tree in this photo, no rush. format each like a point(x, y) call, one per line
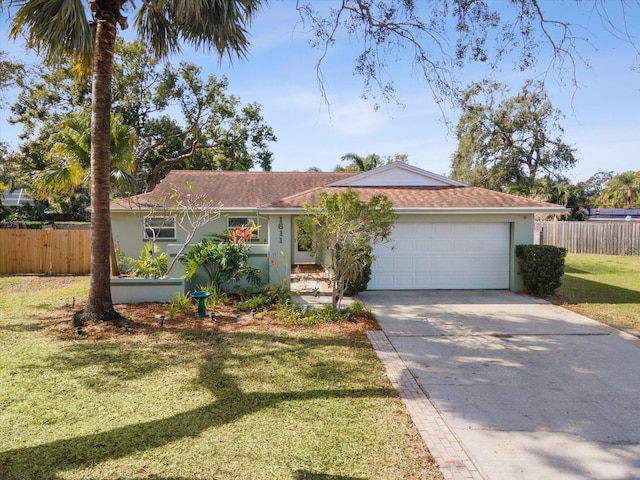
point(443, 37)
point(504, 141)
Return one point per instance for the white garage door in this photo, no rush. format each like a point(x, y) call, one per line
point(443, 256)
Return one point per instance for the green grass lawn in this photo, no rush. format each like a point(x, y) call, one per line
point(249, 404)
point(603, 287)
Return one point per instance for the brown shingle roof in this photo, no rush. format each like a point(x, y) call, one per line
point(422, 197)
point(237, 189)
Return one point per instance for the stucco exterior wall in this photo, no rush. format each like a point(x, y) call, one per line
point(273, 254)
point(280, 249)
point(129, 239)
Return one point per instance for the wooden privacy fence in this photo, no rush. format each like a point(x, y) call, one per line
point(611, 238)
point(45, 252)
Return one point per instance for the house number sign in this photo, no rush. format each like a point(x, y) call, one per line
point(280, 227)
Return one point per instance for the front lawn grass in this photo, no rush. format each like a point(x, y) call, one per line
point(603, 287)
point(248, 404)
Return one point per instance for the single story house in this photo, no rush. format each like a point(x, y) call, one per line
point(448, 235)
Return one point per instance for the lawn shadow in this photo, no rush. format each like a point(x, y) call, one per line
point(20, 327)
point(47, 461)
point(101, 365)
point(606, 293)
point(570, 269)
point(306, 475)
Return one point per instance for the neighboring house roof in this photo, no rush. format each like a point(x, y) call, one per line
point(616, 214)
point(16, 198)
point(409, 189)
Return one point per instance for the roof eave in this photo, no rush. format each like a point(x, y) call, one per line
point(137, 208)
point(439, 210)
point(480, 210)
point(280, 210)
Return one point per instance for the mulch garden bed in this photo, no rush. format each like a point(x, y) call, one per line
point(145, 319)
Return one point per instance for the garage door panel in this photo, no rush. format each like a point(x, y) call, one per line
point(403, 230)
point(465, 244)
point(422, 229)
point(486, 263)
point(488, 248)
point(443, 256)
point(422, 263)
point(384, 282)
point(421, 244)
point(449, 264)
point(404, 281)
point(384, 266)
point(404, 264)
point(404, 245)
point(441, 245)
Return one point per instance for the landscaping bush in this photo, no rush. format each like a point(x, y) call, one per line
point(305, 315)
point(541, 267)
point(222, 261)
point(360, 282)
point(152, 262)
point(270, 295)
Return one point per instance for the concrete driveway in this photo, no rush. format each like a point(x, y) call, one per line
point(530, 390)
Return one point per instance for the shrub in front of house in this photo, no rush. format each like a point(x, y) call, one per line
point(363, 274)
point(222, 260)
point(152, 263)
point(541, 267)
point(270, 295)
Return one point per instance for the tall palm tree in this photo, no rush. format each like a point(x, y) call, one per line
point(62, 28)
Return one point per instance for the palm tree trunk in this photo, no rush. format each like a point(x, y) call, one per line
point(99, 304)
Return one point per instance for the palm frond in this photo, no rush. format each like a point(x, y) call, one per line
point(57, 29)
point(73, 140)
point(208, 24)
point(60, 178)
point(123, 141)
point(123, 181)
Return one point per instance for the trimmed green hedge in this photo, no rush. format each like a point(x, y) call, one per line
point(541, 267)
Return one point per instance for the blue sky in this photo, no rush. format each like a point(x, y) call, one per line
point(601, 116)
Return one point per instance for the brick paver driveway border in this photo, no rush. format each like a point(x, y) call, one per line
point(445, 447)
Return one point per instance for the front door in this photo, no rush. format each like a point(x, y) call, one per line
point(301, 249)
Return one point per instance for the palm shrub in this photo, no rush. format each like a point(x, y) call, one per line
point(361, 274)
point(222, 260)
point(152, 262)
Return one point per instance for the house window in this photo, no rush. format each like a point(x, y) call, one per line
point(159, 228)
point(238, 226)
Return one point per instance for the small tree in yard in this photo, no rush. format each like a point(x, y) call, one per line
point(341, 229)
point(190, 211)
